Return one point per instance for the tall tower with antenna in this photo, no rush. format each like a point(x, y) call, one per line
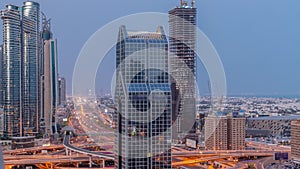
point(182, 22)
point(49, 90)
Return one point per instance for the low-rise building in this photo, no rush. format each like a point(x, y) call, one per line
point(22, 142)
point(279, 126)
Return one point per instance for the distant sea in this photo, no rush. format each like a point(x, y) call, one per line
point(289, 96)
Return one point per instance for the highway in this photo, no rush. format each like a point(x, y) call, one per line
point(89, 119)
point(43, 159)
point(218, 157)
point(66, 143)
point(264, 146)
point(241, 152)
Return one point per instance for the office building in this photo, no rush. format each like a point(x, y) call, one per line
point(20, 69)
point(182, 21)
point(225, 132)
point(143, 100)
point(62, 97)
point(295, 142)
point(216, 129)
point(49, 92)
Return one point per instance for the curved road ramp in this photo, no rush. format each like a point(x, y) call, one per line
point(66, 143)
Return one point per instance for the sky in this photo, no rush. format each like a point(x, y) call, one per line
point(257, 41)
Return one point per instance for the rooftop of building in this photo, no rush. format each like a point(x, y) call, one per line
point(297, 122)
point(29, 3)
point(218, 115)
point(12, 7)
point(144, 35)
point(275, 118)
point(140, 36)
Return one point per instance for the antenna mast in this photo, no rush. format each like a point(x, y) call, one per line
point(46, 23)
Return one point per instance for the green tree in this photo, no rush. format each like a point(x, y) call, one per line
point(251, 166)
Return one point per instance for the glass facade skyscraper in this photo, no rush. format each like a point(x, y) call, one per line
point(182, 41)
point(31, 57)
point(20, 69)
point(143, 100)
point(11, 67)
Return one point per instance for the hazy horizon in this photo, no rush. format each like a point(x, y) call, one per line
point(257, 40)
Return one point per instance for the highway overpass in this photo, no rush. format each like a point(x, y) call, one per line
point(66, 143)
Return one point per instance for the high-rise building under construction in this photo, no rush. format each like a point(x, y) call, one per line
point(182, 42)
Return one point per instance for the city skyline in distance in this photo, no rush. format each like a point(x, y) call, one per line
point(258, 48)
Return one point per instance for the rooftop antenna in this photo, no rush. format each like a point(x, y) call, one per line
point(193, 3)
point(46, 23)
point(183, 3)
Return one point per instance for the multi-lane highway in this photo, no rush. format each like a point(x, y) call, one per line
point(66, 143)
point(44, 159)
point(91, 121)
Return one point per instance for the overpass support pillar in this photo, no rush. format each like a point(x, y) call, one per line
point(66, 151)
point(103, 163)
point(90, 161)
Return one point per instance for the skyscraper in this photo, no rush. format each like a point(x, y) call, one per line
point(49, 92)
point(62, 99)
point(143, 100)
point(182, 21)
point(11, 70)
point(20, 69)
point(30, 72)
